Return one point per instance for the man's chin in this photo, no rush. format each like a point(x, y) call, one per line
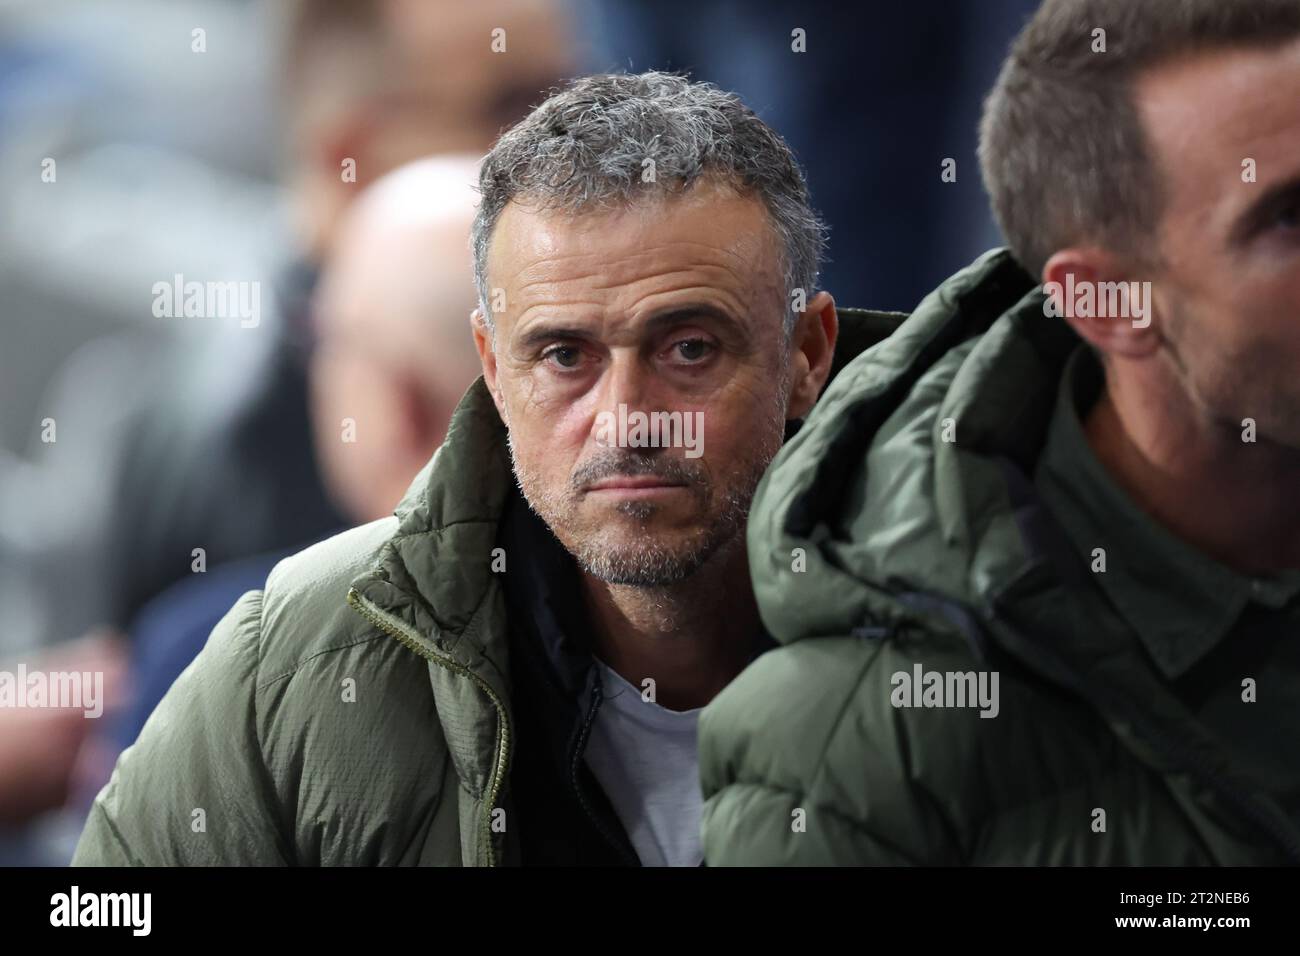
point(639, 568)
point(643, 558)
point(638, 517)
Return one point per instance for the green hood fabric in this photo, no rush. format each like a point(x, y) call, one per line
point(357, 710)
point(900, 533)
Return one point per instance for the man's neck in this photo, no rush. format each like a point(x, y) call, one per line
point(1233, 500)
point(691, 638)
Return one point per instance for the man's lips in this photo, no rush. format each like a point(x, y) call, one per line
point(638, 483)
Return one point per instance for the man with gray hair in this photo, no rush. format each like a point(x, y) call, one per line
point(510, 669)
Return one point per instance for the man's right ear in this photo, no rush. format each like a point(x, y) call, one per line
point(483, 341)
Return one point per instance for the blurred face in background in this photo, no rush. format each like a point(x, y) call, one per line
point(475, 92)
point(419, 77)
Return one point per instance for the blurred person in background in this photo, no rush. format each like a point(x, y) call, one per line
point(393, 356)
point(383, 82)
point(367, 87)
point(40, 745)
point(393, 352)
point(203, 443)
point(392, 359)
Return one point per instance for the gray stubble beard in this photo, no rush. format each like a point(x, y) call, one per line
point(650, 564)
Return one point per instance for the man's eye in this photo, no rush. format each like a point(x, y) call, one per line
point(1288, 217)
point(564, 356)
point(692, 350)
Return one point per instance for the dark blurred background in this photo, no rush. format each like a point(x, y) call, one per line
point(204, 138)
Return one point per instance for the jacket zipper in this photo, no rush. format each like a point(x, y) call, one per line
point(412, 641)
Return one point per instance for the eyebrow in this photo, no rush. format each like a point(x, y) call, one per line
point(677, 314)
point(1275, 198)
point(545, 331)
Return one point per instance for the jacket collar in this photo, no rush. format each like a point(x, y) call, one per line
point(1179, 601)
point(543, 587)
point(435, 573)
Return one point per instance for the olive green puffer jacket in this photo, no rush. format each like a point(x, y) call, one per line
point(900, 529)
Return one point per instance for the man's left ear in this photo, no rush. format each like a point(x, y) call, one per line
point(812, 350)
point(1080, 274)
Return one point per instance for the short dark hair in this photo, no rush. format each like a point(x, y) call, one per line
point(1062, 148)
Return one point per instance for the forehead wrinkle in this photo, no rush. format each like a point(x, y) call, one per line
point(646, 305)
point(562, 262)
point(694, 278)
point(641, 266)
point(650, 218)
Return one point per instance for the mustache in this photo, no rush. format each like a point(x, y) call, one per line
point(619, 463)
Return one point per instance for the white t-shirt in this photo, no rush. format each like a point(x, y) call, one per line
point(646, 759)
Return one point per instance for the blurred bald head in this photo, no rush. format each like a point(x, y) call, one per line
point(394, 350)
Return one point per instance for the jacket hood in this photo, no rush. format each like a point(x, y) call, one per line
point(908, 495)
point(897, 482)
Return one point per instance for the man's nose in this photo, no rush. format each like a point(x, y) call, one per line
point(628, 386)
point(629, 382)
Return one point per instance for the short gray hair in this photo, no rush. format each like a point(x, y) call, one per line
point(585, 147)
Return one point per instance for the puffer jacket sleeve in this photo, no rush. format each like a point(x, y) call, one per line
point(804, 762)
point(194, 789)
